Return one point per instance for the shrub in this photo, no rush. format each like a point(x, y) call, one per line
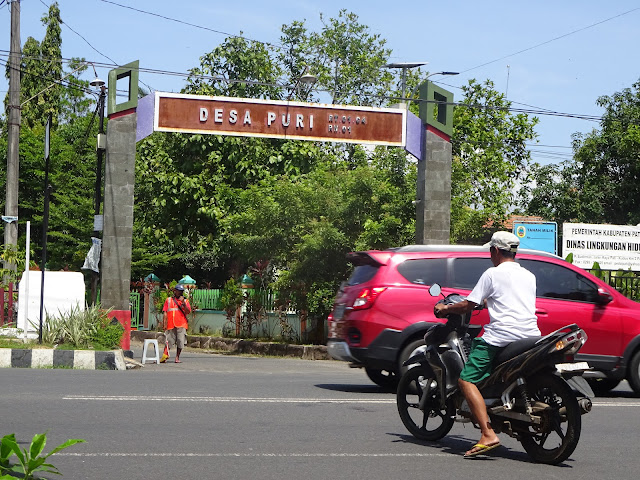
point(90, 328)
point(108, 335)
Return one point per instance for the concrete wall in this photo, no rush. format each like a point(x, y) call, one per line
point(215, 321)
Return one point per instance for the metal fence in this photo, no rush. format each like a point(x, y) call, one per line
point(627, 283)
point(207, 299)
point(136, 312)
point(211, 299)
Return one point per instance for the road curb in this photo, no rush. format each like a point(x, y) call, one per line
point(235, 346)
point(53, 358)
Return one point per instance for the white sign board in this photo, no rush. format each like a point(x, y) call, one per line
point(614, 247)
point(63, 291)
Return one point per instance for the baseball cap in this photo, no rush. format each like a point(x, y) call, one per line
point(179, 287)
point(504, 241)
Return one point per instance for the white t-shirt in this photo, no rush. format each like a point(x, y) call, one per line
point(510, 291)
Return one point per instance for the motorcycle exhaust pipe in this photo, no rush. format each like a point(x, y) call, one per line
point(585, 405)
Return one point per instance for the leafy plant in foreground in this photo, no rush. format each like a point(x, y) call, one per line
point(31, 460)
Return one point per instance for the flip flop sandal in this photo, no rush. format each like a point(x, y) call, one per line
point(481, 449)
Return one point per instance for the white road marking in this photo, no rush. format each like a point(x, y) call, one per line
point(261, 455)
point(137, 398)
point(160, 398)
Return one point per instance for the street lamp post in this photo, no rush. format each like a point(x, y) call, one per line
point(405, 66)
point(101, 145)
point(306, 78)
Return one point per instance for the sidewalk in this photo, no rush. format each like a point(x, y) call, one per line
point(237, 346)
point(198, 348)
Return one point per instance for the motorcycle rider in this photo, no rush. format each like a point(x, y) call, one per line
point(510, 294)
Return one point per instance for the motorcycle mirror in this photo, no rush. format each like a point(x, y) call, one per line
point(435, 290)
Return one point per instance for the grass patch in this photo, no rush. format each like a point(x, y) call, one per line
point(8, 342)
point(34, 345)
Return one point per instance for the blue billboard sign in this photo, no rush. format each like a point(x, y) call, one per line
point(537, 236)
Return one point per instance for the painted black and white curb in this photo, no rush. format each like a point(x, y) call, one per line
point(50, 358)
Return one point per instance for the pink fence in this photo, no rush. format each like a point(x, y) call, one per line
point(7, 310)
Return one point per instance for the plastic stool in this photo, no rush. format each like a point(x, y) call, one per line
point(156, 356)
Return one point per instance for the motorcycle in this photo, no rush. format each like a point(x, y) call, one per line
point(535, 393)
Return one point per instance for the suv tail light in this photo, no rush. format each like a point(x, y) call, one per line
point(367, 297)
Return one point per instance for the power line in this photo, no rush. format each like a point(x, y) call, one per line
point(85, 40)
point(552, 40)
point(552, 146)
point(545, 112)
point(64, 83)
point(539, 110)
point(190, 24)
point(89, 43)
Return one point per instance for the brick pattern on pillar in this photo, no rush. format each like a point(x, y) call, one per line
point(118, 212)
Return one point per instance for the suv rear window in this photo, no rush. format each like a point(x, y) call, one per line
point(362, 274)
point(424, 271)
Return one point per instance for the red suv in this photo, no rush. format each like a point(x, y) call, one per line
point(382, 312)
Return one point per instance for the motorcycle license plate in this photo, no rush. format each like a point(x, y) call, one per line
point(572, 367)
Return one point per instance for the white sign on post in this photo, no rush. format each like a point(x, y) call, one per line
point(63, 291)
point(614, 247)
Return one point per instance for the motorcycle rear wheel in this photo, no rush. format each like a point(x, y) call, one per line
point(555, 439)
point(431, 424)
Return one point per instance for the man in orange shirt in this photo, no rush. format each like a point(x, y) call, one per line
point(175, 311)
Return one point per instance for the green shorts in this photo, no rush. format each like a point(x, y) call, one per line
point(480, 363)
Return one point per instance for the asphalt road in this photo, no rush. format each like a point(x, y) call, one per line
point(218, 417)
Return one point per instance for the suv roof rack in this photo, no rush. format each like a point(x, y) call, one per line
point(462, 248)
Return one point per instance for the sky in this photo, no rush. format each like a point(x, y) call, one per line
point(545, 55)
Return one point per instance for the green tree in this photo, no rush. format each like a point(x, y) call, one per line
point(306, 226)
point(41, 67)
point(71, 175)
point(349, 61)
point(184, 182)
point(602, 182)
point(489, 158)
point(293, 56)
point(237, 68)
point(72, 150)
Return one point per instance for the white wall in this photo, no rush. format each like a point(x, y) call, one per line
point(62, 292)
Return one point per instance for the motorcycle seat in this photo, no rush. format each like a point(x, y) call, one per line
point(514, 349)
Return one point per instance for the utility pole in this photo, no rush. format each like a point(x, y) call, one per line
point(101, 144)
point(11, 204)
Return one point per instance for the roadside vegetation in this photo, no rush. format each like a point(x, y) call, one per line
point(29, 461)
point(287, 212)
point(89, 329)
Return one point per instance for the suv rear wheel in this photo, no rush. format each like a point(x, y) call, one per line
point(602, 386)
point(386, 379)
point(634, 373)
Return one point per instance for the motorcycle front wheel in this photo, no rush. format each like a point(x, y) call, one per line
point(433, 422)
point(557, 436)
